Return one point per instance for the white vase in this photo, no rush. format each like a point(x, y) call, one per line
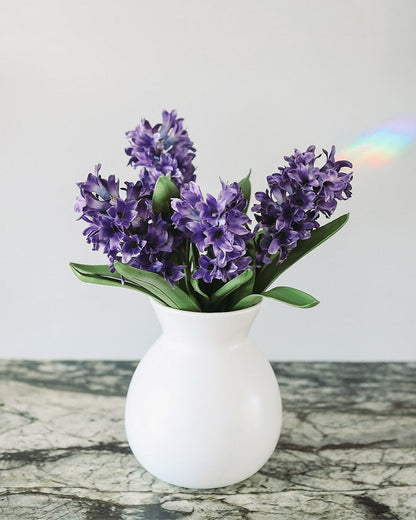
point(203, 408)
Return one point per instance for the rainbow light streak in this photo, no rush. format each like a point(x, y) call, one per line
point(382, 145)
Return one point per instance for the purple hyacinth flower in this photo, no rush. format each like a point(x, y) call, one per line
point(207, 269)
point(172, 272)
point(127, 229)
point(131, 247)
point(237, 222)
point(297, 195)
point(303, 200)
point(158, 236)
point(97, 194)
point(218, 227)
point(220, 239)
point(79, 204)
point(212, 210)
point(164, 149)
point(232, 196)
point(110, 235)
point(105, 189)
point(123, 212)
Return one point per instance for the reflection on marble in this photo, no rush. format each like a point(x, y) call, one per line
point(347, 449)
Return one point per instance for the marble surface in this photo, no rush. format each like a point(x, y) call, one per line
point(347, 449)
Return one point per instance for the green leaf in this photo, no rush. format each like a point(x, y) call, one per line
point(269, 272)
point(245, 186)
point(247, 301)
point(94, 278)
point(266, 275)
point(164, 191)
point(230, 287)
point(292, 296)
point(101, 275)
point(244, 290)
point(198, 290)
point(158, 286)
point(90, 270)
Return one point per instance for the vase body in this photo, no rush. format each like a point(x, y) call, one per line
point(203, 408)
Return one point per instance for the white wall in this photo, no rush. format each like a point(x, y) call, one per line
point(253, 80)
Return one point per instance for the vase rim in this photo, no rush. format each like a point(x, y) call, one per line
point(165, 308)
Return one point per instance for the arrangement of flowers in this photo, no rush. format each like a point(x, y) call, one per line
point(199, 253)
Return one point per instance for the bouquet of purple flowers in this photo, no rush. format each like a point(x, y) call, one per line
point(162, 237)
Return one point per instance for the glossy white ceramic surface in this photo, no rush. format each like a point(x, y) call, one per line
point(203, 408)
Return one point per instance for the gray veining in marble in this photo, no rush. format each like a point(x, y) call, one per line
point(347, 449)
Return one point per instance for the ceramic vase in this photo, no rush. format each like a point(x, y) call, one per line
point(203, 408)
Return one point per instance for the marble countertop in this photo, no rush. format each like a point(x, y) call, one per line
point(347, 449)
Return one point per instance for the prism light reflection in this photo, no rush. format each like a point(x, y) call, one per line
point(382, 145)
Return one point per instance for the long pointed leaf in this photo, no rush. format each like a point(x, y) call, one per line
point(245, 186)
point(230, 286)
point(161, 288)
point(198, 290)
point(266, 275)
point(101, 270)
point(292, 296)
point(165, 190)
point(247, 301)
point(246, 289)
point(269, 272)
point(91, 274)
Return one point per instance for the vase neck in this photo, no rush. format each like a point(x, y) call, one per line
point(219, 329)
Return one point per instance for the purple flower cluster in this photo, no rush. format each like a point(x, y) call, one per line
point(126, 229)
point(288, 211)
point(164, 149)
point(218, 227)
point(122, 223)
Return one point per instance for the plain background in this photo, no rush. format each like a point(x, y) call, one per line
point(253, 80)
